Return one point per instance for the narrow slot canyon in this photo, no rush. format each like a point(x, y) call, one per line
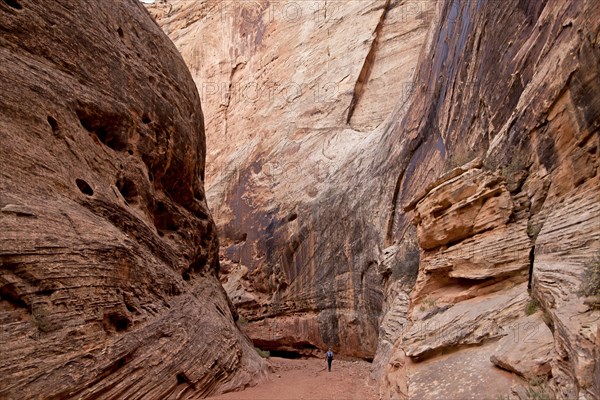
point(225, 199)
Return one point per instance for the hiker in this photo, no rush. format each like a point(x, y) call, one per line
point(329, 355)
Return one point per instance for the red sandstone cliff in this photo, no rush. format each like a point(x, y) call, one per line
point(108, 253)
point(316, 199)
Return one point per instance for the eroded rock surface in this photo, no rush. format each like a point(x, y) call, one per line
point(527, 351)
point(568, 242)
point(292, 92)
point(492, 152)
point(527, 208)
point(108, 253)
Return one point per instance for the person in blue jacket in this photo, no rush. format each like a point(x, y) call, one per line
point(329, 356)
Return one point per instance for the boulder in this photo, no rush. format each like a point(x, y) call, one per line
point(527, 350)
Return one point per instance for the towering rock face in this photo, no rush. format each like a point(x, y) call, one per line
point(521, 99)
point(415, 228)
point(108, 253)
point(296, 96)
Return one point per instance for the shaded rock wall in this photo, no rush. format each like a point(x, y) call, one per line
point(108, 252)
point(515, 97)
point(293, 93)
point(316, 211)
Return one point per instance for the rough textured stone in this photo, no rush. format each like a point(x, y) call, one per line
point(309, 200)
point(499, 252)
point(291, 93)
point(469, 322)
point(393, 323)
point(471, 203)
point(527, 350)
point(108, 253)
point(465, 374)
point(534, 133)
point(568, 241)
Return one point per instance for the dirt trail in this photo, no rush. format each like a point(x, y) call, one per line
point(309, 379)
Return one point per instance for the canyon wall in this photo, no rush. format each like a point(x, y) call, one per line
point(414, 182)
point(296, 98)
point(108, 253)
point(508, 92)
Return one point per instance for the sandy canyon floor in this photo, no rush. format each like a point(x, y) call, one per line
point(468, 375)
point(309, 379)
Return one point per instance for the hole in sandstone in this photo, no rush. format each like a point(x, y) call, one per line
point(9, 293)
point(185, 275)
point(120, 362)
point(14, 4)
point(121, 324)
point(53, 124)
point(116, 322)
point(163, 218)
point(453, 242)
point(242, 238)
point(438, 212)
point(199, 264)
point(292, 217)
point(183, 378)
point(120, 32)
point(107, 129)
point(130, 152)
point(172, 225)
point(146, 119)
point(292, 355)
point(200, 214)
point(84, 187)
point(46, 292)
point(128, 190)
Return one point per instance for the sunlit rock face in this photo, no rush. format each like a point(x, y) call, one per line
point(376, 183)
point(296, 95)
point(108, 253)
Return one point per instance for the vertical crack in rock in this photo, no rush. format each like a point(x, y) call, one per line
point(230, 89)
point(411, 150)
point(365, 72)
point(531, 262)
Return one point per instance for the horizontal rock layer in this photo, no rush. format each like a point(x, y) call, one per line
point(523, 114)
point(108, 252)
